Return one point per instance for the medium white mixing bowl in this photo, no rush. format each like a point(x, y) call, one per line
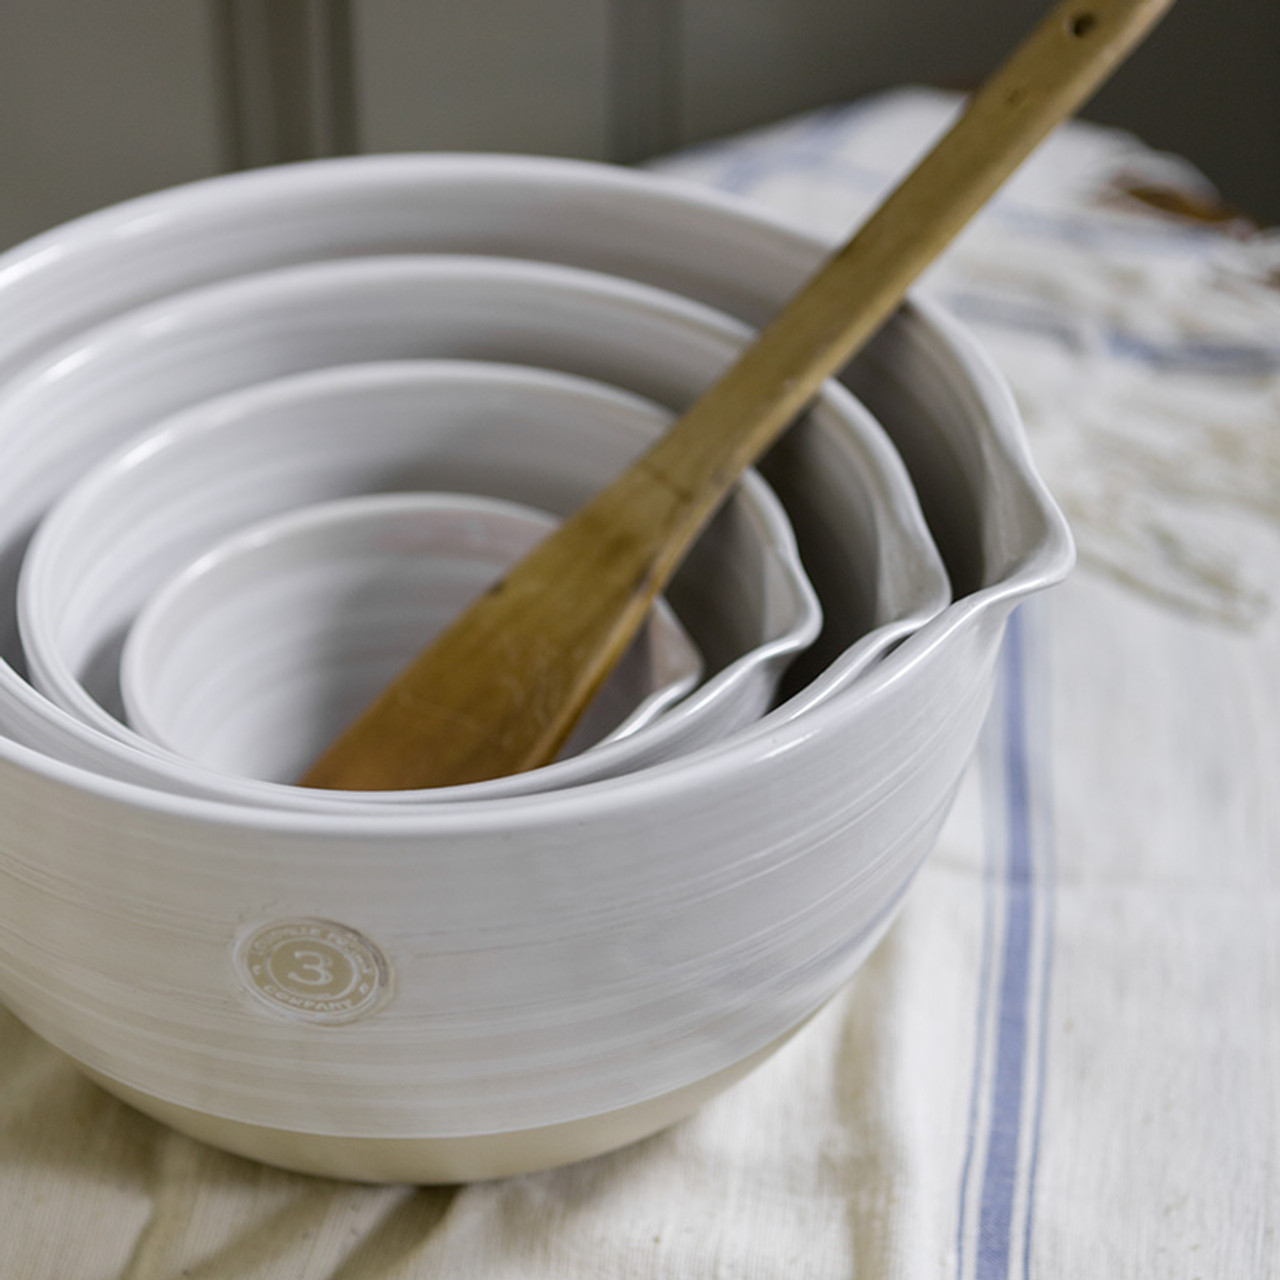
point(548, 439)
point(478, 988)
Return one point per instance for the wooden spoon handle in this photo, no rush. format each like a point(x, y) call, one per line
point(501, 689)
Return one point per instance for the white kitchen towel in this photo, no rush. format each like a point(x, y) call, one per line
point(1064, 1060)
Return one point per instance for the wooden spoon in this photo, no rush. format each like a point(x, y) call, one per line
point(500, 689)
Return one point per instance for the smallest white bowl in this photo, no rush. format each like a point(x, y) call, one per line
point(252, 659)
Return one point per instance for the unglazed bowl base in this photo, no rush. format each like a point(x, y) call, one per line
point(471, 1158)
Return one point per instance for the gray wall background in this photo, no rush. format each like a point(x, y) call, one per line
point(103, 99)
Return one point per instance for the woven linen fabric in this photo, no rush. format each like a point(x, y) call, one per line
point(1064, 1059)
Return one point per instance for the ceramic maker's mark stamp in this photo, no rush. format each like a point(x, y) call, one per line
point(315, 970)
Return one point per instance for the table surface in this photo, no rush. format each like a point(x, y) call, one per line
point(1064, 1060)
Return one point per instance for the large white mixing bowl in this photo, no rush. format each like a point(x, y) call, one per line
point(476, 988)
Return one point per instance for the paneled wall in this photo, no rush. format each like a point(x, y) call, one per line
point(101, 99)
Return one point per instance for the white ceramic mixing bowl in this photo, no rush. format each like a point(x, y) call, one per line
point(480, 988)
point(256, 656)
point(877, 562)
point(547, 439)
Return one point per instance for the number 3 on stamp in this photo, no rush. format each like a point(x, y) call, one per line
point(315, 970)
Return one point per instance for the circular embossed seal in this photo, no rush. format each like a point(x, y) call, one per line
point(316, 970)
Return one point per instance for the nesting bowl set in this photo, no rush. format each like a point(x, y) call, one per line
point(249, 430)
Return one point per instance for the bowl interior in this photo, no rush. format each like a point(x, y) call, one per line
point(98, 392)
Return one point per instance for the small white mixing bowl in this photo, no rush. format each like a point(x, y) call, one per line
point(256, 656)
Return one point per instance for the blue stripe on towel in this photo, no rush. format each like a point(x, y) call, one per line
point(1216, 358)
point(1009, 1059)
point(995, 1220)
point(820, 146)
